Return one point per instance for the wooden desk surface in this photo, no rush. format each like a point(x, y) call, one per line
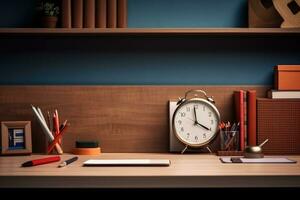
point(185, 171)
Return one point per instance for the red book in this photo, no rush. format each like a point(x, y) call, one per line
point(101, 13)
point(66, 14)
point(122, 14)
point(77, 13)
point(89, 14)
point(251, 96)
point(240, 115)
point(111, 13)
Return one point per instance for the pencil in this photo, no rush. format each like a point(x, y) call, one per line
point(46, 130)
point(56, 139)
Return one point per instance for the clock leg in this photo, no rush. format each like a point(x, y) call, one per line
point(185, 148)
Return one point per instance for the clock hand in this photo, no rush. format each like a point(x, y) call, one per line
point(196, 120)
point(191, 120)
point(205, 127)
point(197, 123)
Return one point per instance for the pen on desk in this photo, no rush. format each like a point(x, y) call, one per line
point(41, 161)
point(67, 162)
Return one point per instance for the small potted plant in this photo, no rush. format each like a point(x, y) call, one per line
point(49, 14)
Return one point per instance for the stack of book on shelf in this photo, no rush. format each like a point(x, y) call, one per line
point(94, 13)
point(245, 112)
point(278, 116)
point(287, 82)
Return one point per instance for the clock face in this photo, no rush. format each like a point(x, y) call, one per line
point(195, 122)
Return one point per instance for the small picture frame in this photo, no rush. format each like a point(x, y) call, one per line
point(16, 137)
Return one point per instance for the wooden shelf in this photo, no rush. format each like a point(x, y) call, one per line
point(148, 31)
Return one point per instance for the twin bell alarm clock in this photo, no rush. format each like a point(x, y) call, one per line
point(194, 121)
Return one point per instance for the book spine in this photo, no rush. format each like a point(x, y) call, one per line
point(77, 14)
point(101, 13)
point(122, 14)
point(245, 113)
point(112, 13)
point(283, 94)
point(239, 110)
point(66, 14)
point(251, 94)
point(89, 14)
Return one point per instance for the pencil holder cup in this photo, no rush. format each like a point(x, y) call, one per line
point(229, 140)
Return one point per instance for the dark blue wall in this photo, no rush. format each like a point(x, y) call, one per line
point(187, 13)
point(147, 60)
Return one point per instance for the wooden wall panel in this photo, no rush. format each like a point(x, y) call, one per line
point(122, 118)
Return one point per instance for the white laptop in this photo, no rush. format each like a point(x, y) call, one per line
point(127, 162)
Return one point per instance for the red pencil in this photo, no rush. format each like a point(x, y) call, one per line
point(56, 124)
point(56, 139)
point(41, 161)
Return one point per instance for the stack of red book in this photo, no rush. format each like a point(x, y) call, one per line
point(245, 112)
point(94, 13)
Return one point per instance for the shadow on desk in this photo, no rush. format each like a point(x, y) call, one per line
point(179, 193)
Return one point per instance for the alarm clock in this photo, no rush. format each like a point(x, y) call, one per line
point(194, 122)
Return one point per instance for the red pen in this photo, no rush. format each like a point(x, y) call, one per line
point(41, 161)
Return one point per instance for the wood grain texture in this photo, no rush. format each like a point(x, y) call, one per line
point(185, 171)
point(260, 15)
point(121, 118)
